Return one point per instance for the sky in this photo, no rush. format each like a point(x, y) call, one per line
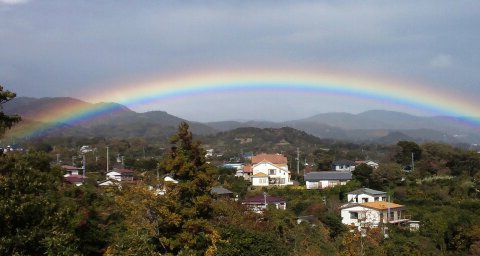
point(75, 48)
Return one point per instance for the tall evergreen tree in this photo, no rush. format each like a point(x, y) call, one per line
point(187, 163)
point(6, 121)
point(178, 222)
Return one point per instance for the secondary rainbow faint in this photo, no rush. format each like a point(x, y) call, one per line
point(426, 98)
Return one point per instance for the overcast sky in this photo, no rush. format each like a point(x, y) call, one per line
point(65, 48)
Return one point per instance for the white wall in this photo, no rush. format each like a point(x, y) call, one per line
point(260, 181)
point(366, 216)
point(344, 168)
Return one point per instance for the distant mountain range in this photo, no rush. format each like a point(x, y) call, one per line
point(375, 126)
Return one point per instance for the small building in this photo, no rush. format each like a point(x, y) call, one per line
point(321, 180)
point(120, 175)
point(343, 165)
point(246, 172)
point(364, 195)
point(221, 192)
point(260, 202)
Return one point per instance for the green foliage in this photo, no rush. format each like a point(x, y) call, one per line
point(363, 173)
point(41, 215)
point(323, 159)
point(6, 121)
point(386, 176)
point(178, 222)
point(408, 150)
point(237, 241)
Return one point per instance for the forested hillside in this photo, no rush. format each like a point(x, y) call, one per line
point(40, 213)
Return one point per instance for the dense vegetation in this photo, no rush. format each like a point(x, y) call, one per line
point(41, 214)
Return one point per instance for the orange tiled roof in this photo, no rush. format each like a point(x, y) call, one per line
point(247, 168)
point(381, 205)
point(272, 158)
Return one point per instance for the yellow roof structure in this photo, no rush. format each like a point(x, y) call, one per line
point(260, 174)
point(381, 205)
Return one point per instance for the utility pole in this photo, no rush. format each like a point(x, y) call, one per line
point(83, 165)
point(298, 161)
point(413, 163)
point(108, 159)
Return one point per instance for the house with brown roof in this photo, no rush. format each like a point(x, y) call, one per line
point(270, 169)
point(373, 214)
point(259, 203)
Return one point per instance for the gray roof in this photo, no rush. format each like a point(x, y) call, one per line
point(331, 175)
point(220, 191)
point(367, 191)
point(344, 162)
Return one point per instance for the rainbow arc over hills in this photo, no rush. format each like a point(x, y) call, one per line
point(426, 98)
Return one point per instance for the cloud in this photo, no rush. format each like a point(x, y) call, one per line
point(13, 2)
point(441, 61)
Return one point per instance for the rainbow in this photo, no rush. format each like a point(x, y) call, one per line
point(147, 93)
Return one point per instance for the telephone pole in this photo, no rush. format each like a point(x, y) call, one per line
point(298, 161)
point(108, 159)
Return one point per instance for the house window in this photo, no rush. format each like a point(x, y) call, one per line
point(263, 180)
point(364, 200)
point(282, 180)
point(353, 215)
point(271, 172)
point(376, 199)
point(332, 183)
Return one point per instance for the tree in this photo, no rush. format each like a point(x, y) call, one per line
point(323, 159)
point(33, 214)
point(408, 149)
point(6, 121)
point(363, 173)
point(186, 161)
point(386, 175)
point(178, 222)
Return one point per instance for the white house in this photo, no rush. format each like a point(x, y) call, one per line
point(364, 195)
point(321, 180)
point(372, 164)
point(120, 175)
point(344, 165)
point(266, 173)
point(372, 214)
